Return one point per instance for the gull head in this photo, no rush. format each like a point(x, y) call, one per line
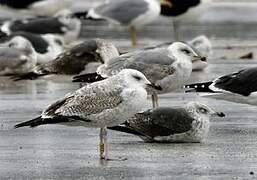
point(203, 110)
point(20, 43)
point(134, 78)
point(184, 51)
point(202, 44)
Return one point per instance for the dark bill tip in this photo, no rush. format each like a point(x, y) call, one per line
point(155, 86)
point(221, 114)
point(203, 59)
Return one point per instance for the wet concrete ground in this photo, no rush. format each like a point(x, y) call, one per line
point(59, 152)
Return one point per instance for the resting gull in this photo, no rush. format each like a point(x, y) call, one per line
point(201, 43)
point(131, 13)
point(36, 7)
point(18, 57)
point(106, 103)
point(186, 124)
point(47, 46)
point(236, 87)
point(82, 58)
point(169, 67)
point(63, 24)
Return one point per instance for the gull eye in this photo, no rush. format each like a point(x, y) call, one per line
point(186, 51)
point(11, 45)
point(137, 78)
point(203, 110)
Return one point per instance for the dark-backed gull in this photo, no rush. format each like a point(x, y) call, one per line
point(63, 23)
point(47, 46)
point(236, 87)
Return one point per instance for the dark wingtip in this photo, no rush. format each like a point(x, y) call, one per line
point(31, 123)
point(199, 87)
point(88, 78)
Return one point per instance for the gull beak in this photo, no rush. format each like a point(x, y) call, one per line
point(159, 88)
point(201, 58)
point(219, 114)
point(166, 3)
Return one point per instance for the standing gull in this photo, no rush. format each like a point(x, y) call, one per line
point(18, 57)
point(131, 13)
point(186, 124)
point(47, 46)
point(80, 58)
point(106, 103)
point(169, 67)
point(63, 24)
point(237, 87)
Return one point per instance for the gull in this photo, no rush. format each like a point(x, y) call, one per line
point(35, 7)
point(84, 57)
point(47, 46)
point(201, 43)
point(18, 57)
point(169, 67)
point(63, 24)
point(131, 13)
point(105, 103)
point(237, 87)
point(188, 124)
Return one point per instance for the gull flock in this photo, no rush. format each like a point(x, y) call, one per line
point(116, 85)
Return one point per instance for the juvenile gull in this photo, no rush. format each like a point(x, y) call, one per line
point(106, 103)
point(237, 87)
point(78, 59)
point(18, 57)
point(63, 24)
point(131, 13)
point(47, 46)
point(186, 124)
point(169, 67)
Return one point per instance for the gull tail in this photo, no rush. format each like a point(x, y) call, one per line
point(125, 129)
point(199, 87)
point(88, 78)
point(26, 76)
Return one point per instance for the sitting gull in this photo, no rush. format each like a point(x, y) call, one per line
point(236, 87)
point(106, 103)
point(18, 57)
point(169, 67)
point(131, 13)
point(63, 24)
point(47, 46)
point(186, 124)
point(84, 57)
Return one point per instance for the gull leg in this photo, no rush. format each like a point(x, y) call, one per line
point(103, 146)
point(155, 100)
point(133, 35)
point(175, 30)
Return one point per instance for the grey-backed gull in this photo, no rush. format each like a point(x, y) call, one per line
point(169, 67)
point(106, 103)
point(236, 87)
point(63, 24)
point(185, 124)
point(18, 57)
point(131, 13)
point(47, 46)
point(82, 58)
